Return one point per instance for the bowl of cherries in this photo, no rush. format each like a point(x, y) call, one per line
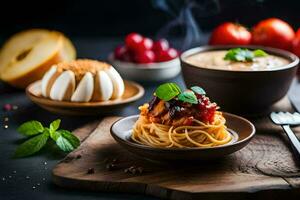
point(142, 59)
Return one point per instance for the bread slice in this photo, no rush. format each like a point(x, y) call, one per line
point(27, 55)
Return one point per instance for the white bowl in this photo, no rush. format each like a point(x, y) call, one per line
point(147, 72)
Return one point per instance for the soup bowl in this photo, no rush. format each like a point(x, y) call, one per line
point(243, 92)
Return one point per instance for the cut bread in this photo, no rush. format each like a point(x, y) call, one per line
point(27, 55)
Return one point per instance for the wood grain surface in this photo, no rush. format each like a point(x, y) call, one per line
point(264, 169)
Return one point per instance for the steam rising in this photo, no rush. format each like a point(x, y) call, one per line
point(184, 23)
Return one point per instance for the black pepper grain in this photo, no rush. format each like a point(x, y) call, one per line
point(140, 170)
point(91, 171)
point(110, 166)
point(134, 170)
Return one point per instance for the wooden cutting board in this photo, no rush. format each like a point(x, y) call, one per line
point(263, 169)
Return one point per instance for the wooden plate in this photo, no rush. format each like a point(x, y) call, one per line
point(133, 92)
point(241, 129)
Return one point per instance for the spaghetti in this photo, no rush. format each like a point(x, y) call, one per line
point(199, 135)
point(178, 124)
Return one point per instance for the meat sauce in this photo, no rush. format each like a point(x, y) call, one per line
point(177, 113)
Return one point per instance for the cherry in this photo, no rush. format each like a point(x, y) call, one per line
point(119, 52)
point(147, 56)
point(132, 40)
point(145, 44)
point(127, 56)
point(167, 55)
point(161, 45)
point(123, 53)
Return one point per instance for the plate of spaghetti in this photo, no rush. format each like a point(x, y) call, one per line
point(182, 125)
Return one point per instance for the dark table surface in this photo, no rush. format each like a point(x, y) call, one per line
point(30, 178)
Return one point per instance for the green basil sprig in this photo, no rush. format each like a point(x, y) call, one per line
point(40, 135)
point(168, 91)
point(198, 90)
point(189, 97)
point(243, 54)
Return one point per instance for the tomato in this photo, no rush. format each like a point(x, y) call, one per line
point(296, 47)
point(296, 44)
point(273, 32)
point(230, 33)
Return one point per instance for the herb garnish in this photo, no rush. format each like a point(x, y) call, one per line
point(198, 90)
point(168, 91)
point(39, 136)
point(188, 96)
point(243, 54)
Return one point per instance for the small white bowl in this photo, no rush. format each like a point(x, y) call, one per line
point(147, 72)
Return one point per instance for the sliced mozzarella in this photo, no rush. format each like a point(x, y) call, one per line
point(85, 89)
point(48, 80)
point(103, 87)
point(117, 81)
point(63, 87)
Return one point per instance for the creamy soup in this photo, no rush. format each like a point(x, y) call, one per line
point(215, 60)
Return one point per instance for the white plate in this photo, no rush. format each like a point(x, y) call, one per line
point(147, 72)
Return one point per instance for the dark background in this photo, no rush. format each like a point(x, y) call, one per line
point(92, 18)
point(89, 24)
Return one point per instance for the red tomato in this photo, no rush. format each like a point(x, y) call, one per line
point(296, 48)
point(296, 43)
point(230, 33)
point(273, 32)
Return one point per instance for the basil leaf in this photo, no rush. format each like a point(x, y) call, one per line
point(259, 53)
point(54, 125)
point(67, 141)
point(239, 54)
point(188, 97)
point(31, 128)
point(54, 135)
point(64, 144)
point(243, 55)
point(167, 91)
point(32, 145)
point(198, 90)
point(71, 137)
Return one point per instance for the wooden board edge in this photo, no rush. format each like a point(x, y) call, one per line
point(279, 191)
